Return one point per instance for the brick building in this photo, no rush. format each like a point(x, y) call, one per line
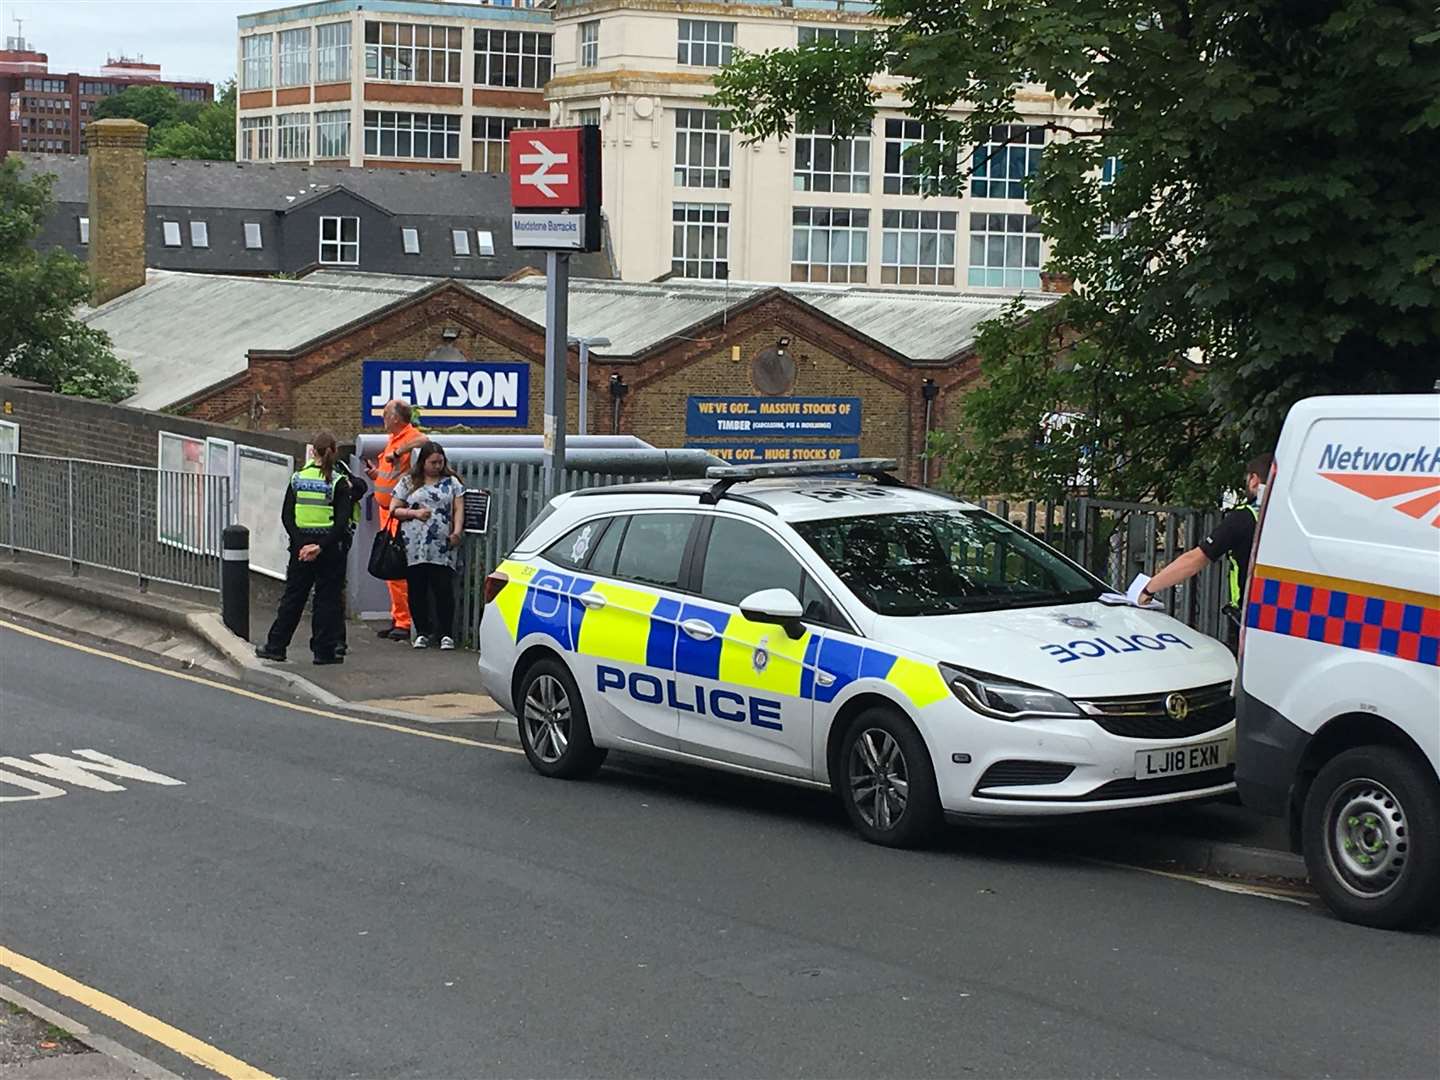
point(46, 111)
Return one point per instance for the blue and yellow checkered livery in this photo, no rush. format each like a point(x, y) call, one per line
point(639, 627)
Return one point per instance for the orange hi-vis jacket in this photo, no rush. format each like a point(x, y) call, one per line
point(387, 473)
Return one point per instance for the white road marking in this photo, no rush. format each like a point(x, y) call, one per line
point(76, 773)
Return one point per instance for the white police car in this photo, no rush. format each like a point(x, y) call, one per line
point(919, 656)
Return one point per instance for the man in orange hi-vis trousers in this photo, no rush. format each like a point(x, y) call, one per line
point(394, 463)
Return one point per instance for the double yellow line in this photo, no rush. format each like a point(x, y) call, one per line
point(149, 1026)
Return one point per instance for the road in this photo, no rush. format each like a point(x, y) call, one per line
point(331, 898)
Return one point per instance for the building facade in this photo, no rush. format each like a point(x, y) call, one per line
point(682, 196)
point(391, 83)
point(46, 112)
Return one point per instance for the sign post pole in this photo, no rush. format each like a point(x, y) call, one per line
point(557, 311)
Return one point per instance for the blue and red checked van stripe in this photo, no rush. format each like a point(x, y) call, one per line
point(1348, 614)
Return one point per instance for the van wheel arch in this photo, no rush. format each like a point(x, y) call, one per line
point(1347, 731)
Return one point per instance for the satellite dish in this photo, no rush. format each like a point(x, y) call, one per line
point(773, 371)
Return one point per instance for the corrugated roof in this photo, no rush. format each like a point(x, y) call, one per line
point(185, 333)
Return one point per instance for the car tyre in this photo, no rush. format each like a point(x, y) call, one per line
point(886, 781)
point(1371, 835)
point(554, 731)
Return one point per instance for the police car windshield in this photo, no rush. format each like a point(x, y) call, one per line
point(944, 562)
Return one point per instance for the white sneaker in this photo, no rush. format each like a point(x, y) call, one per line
point(447, 643)
point(420, 642)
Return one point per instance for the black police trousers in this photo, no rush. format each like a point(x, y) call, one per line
point(326, 577)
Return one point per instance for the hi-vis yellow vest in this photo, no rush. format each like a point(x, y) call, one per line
point(1235, 583)
point(314, 499)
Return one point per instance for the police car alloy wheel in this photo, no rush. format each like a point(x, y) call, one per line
point(1371, 826)
point(886, 781)
point(554, 731)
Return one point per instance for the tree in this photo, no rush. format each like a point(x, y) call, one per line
point(157, 107)
point(40, 338)
point(211, 135)
point(1251, 195)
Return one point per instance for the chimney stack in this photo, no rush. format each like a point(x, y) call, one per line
point(117, 207)
point(1049, 282)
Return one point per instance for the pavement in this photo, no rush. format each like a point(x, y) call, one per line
point(388, 679)
point(290, 891)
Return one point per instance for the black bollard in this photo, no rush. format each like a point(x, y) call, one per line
point(235, 580)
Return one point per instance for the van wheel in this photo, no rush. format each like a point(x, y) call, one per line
point(553, 729)
point(886, 781)
point(1371, 831)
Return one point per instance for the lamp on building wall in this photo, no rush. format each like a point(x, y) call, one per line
point(450, 333)
point(782, 344)
point(618, 390)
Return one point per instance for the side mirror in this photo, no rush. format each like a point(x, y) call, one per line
point(777, 606)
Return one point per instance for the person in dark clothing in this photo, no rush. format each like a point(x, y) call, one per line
point(358, 487)
point(1234, 536)
point(316, 516)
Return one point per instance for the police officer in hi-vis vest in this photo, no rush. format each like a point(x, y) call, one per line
point(316, 516)
point(1233, 537)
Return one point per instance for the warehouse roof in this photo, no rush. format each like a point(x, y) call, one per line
point(156, 326)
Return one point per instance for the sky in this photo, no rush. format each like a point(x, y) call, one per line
point(194, 38)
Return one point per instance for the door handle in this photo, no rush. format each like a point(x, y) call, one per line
point(824, 678)
point(592, 600)
point(699, 629)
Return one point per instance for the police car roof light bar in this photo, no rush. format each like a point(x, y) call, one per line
point(726, 476)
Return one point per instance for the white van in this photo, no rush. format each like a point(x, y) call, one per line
point(1338, 691)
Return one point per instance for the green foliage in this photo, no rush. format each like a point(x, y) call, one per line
point(40, 338)
point(178, 129)
point(1276, 200)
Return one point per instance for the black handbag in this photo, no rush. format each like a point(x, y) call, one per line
point(388, 560)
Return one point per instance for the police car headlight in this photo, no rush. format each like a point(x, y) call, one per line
point(1005, 699)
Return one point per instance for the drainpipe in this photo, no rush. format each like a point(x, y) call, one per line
point(929, 391)
point(618, 390)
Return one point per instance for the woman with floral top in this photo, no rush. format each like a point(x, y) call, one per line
point(429, 503)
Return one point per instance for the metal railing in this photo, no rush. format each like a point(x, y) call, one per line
point(1116, 540)
point(157, 525)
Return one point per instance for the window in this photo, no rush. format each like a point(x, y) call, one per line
point(1003, 164)
point(585, 117)
point(9, 444)
point(607, 547)
point(410, 240)
point(428, 136)
point(832, 35)
point(702, 240)
point(702, 148)
point(704, 43)
point(653, 548)
point(340, 241)
point(1005, 250)
point(1109, 170)
point(295, 57)
point(573, 549)
point(944, 562)
point(199, 234)
point(827, 162)
point(292, 136)
point(256, 60)
point(512, 58)
point(252, 236)
point(255, 138)
point(413, 52)
point(918, 247)
point(172, 233)
point(332, 53)
point(84, 230)
point(492, 140)
point(829, 244)
point(903, 171)
point(590, 43)
point(741, 559)
point(460, 241)
point(332, 134)
point(485, 242)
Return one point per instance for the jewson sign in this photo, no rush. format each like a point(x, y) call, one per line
point(448, 393)
point(778, 417)
point(771, 453)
